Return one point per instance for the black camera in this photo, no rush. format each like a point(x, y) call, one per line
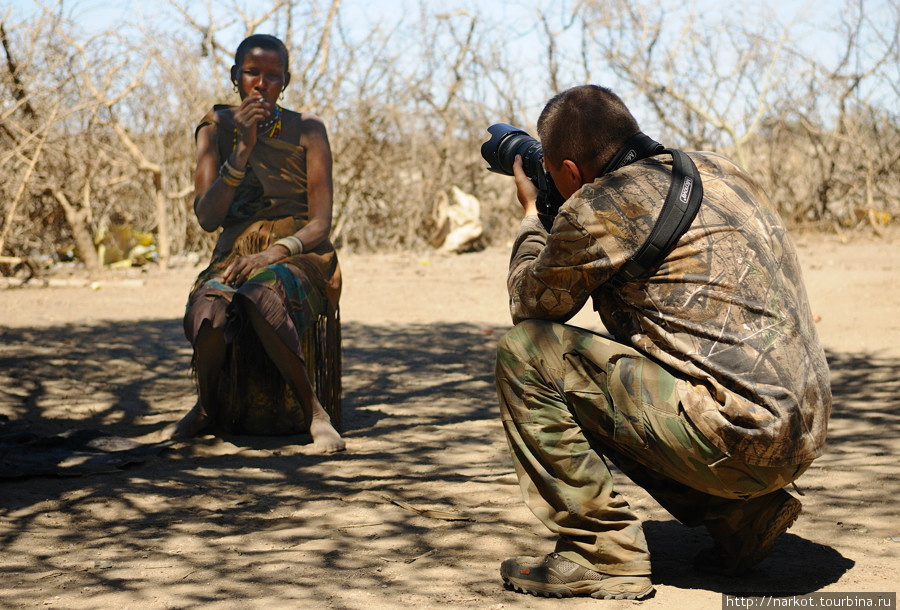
point(500, 152)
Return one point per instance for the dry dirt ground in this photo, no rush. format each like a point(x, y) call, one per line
point(422, 507)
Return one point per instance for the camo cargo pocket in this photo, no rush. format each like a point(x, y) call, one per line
point(606, 398)
point(626, 391)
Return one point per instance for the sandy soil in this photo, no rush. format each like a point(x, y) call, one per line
point(423, 506)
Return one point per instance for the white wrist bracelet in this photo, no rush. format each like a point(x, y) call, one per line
point(292, 243)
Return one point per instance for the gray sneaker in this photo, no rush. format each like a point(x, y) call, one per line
point(555, 576)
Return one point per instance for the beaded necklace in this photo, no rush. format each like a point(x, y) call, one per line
point(274, 128)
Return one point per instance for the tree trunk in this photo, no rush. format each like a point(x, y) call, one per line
point(162, 221)
point(81, 233)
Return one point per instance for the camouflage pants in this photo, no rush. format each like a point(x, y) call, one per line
point(570, 398)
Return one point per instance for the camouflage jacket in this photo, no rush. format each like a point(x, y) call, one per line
point(727, 308)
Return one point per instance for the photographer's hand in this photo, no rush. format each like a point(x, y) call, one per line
point(526, 191)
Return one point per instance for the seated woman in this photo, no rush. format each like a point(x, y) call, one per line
point(263, 176)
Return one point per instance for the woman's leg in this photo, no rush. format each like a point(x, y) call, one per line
point(325, 438)
point(209, 357)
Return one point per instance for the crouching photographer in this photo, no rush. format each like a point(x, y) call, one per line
point(712, 390)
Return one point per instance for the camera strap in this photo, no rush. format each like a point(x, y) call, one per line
point(637, 147)
point(678, 212)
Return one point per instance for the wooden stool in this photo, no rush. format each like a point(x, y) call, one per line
point(254, 402)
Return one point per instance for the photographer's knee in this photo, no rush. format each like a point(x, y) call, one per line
point(531, 343)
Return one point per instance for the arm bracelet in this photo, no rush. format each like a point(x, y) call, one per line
point(230, 176)
point(292, 243)
point(229, 181)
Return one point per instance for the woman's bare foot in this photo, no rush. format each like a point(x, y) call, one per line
point(192, 424)
point(325, 438)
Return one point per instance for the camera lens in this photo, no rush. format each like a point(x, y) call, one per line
point(528, 147)
point(505, 143)
point(500, 152)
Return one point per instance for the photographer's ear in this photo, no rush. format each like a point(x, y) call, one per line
point(568, 178)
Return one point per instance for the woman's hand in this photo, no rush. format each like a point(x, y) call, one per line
point(247, 117)
point(245, 267)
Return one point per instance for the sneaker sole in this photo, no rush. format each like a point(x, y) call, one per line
point(711, 561)
point(781, 522)
point(605, 589)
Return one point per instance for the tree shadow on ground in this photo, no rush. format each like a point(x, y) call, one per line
point(112, 375)
point(865, 390)
point(422, 397)
point(107, 375)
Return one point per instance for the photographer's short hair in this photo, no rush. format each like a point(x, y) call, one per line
point(586, 124)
